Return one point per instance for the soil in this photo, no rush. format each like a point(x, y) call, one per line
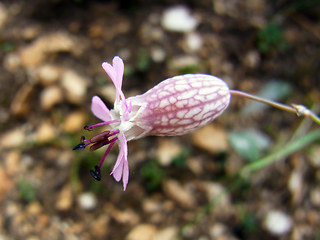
point(46, 191)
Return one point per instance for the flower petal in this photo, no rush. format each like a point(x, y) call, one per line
point(99, 109)
point(125, 174)
point(121, 168)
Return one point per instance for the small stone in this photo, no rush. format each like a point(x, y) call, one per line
point(158, 54)
point(314, 156)
point(252, 59)
point(216, 192)
point(296, 186)
point(193, 42)
point(183, 196)
point(11, 62)
point(3, 15)
point(182, 62)
point(223, 7)
point(218, 230)
point(277, 222)
point(75, 86)
point(315, 196)
point(151, 206)
point(35, 53)
point(169, 233)
point(127, 216)
point(142, 232)
point(48, 74)
point(100, 227)
point(108, 92)
point(87, 201)
point(12, 160)
point(34, 208)
point(178, 19)
point(166, 151)
point(211, 139)
point(195, 165)
point(51, 96)
point(45, 132)
point(65, 199)
point(20, 105)
point(6, 185)
point(13, 138)
point(75, 121)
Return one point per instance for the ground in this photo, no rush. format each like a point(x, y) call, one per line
point(186, 187)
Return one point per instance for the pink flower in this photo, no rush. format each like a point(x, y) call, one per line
point(175, 106)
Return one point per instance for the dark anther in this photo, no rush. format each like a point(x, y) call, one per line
point(87, 128)
point(79, 146)
point(96, 174)
point(82, 139)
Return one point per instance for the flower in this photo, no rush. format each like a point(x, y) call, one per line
point(176, 106)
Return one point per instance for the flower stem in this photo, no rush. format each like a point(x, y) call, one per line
point(300, 110)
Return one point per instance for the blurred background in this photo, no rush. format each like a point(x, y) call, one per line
point(251, 174)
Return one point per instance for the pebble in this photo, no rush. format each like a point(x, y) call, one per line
point(100, 227)
point(150, 205)
point(158, 54)
point(11, 62)
point(108, 92)
point(180, 194)
point(168, 233)
point(51, 96)
point(182, 62)
point(314, 156)
point(252, 59)
point(12, 160)
point(87, 201)
point(195, 165)
point(211, 139)
point(36, 52)
point(45, 132)
point(222, 7)
point(315, 196)
point(75, 121)
point(48, 74)
point(6, 185)
point(13, 138)
point(166, 151)
point(20, 105)
point(3, 15)
point(217, 193)
point(142, 232)
point(126, 216)
point(65, 199)
point(193, 42)
point(75, 86)
point(179, 19)
point(218, 230)
point(277, 222)
point(296, 186)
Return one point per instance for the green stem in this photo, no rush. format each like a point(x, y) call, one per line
point(284, 151)
point(297, 109)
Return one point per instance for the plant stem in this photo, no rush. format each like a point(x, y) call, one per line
point(300, 110)
point(284, 151)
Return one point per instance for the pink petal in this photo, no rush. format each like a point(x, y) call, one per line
point(119, 69)
point(125, 174)
point(121, 169)
point(117, 173)
point(99, 109)
point(109, 70)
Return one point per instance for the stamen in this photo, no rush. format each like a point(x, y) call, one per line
point(96, 173)
point(112, 142)
point(79, 146)
point(89, 128)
